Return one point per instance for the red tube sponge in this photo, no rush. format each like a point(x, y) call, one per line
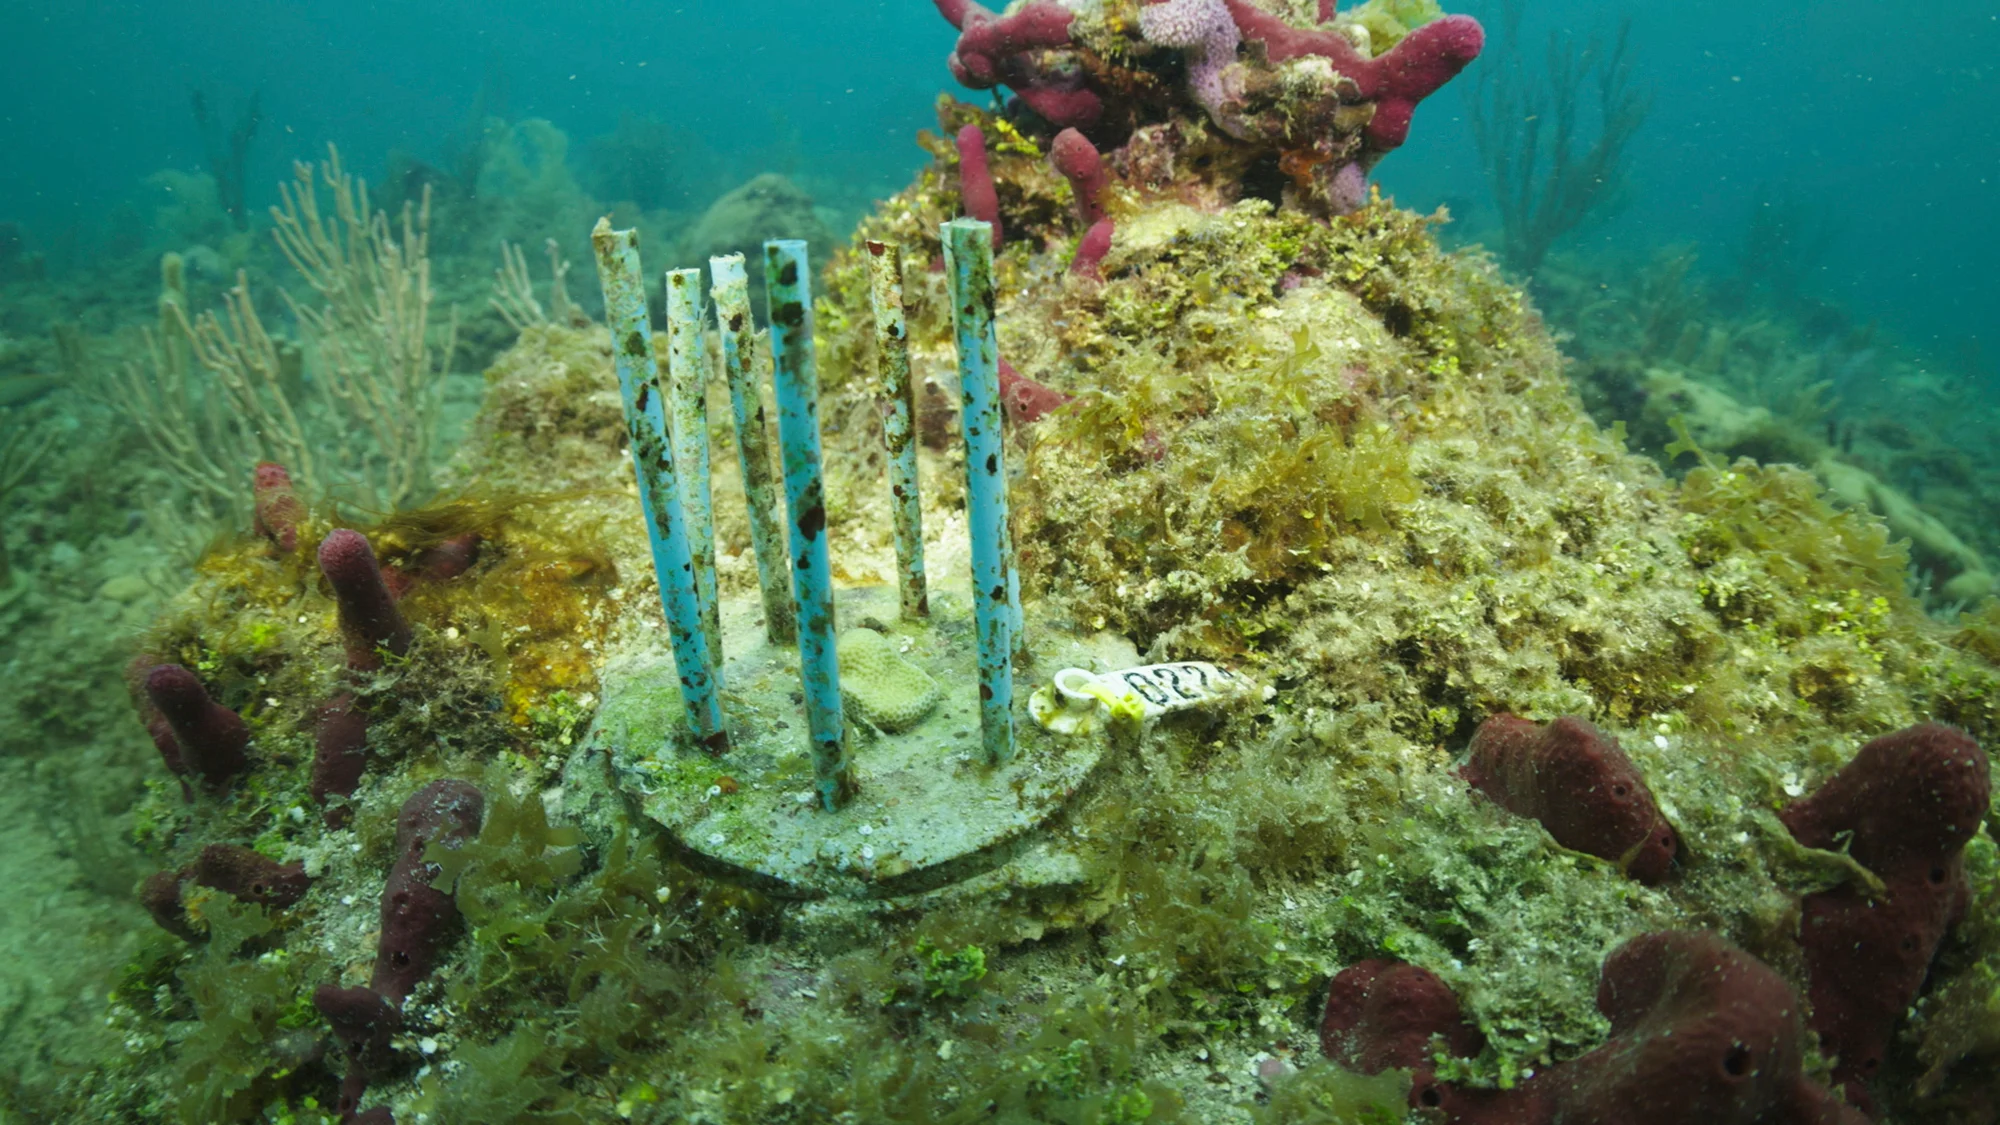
point(1091, 250)
point(995, 50)
point(1078, 160)
point(977, 195)
point(418, 918)
point(369, 619)
point(1025, 400)
point(211, 740)
point(985, 42)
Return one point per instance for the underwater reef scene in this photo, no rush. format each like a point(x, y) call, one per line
point(1286, 662)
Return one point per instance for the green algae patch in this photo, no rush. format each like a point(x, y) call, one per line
point(1324, 1094)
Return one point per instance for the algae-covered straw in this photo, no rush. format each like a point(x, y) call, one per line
point(968, 249)
point(659, 488)
point(892, 356)
point(687, 390)
point(788, 286)
point(730, 287)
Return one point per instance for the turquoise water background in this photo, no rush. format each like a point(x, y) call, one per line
point(1887, 118)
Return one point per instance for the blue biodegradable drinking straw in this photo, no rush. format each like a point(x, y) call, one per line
point(687, 391)
point(968, 247)
point(659, 492)
point(730, 286)
point(788, 285)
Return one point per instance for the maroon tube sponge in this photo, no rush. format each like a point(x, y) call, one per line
point(1395, 81)
point(1077, 159)
point(160, 894)
point(441, 563)
point(1578, 782)
point(975, 180)
point(1384, 1014)
point(250, 876)
point(448, 559)
point(362, 1020)
point(137, 671)
point(1701, 1032)
point(1917, 794)
point(363, 1024)
point(418, 918)
point(279, 512)
point(1904, 808)
point(340, 754)
point(211, 740)
point(369, 619)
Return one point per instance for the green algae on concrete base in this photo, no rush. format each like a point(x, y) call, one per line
point(928, 811)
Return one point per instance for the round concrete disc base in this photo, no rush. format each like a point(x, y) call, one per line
point(929, 810)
